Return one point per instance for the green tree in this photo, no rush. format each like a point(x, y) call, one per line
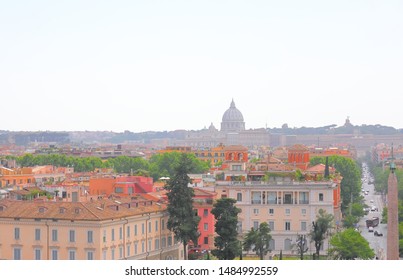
point(349, 245)
point(320, 229)
point(182, 220)
point(226, 215)
point(258, 240)
point(351, 173)
point(327, 173)
point(162, 165)
point(349, 221)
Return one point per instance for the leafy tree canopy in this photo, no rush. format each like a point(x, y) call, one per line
point(350, 245)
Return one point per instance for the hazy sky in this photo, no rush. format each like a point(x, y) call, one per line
point(167, 65)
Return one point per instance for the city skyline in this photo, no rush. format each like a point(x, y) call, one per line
point(165, 66)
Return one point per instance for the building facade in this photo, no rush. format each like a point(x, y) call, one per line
point(289, 207)
point(100, 230)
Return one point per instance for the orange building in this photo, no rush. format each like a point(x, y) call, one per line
point(214, 155)
point(16, 178)
point(298, 155)
point(122, 186)
point(331, 151)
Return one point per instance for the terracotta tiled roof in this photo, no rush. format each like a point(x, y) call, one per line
point(96, 210)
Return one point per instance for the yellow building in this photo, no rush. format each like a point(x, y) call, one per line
point(103, 229)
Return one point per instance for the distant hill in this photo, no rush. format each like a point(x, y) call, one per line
point(25, 137)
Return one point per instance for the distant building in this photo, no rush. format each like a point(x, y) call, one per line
point(232, 132)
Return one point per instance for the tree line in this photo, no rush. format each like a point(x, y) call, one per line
point(159, 165)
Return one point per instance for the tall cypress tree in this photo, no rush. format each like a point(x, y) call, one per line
point(226, 214)
point(327, 173)
point(182, 221)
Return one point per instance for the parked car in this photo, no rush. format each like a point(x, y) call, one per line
point(377, 233)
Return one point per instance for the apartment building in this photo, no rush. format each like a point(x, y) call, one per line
point(289, 207)
point(131, 228)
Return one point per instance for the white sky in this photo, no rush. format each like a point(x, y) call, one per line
point(167, 65)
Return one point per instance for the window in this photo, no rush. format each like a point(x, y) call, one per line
point(239, 196)
point(128, 231)
point(303, 211)
point(288, 198)
point(90, 236)
point(162, 224)
point(37, 253)
point(157, 244)
point(37, 234)
point(142, 228)
point(90, 255)
point(72, 254)
point(271, 211)
point(120, 233)
point(54, 235)
point(303, 226)
point(163, 242)
point(237, 168)
point(55, 254)
point(135, 248)
point(321, 197)
point(17, 253)
point(255, 225)
point(120, 252)
point(142, 246)
point(288, 212)
point(256, 197)
point(104, 236)
point(104, 254)
point(256, 211)
point(135, 230)
point(128, 250)
point(205, 241)
point(156, 226)
point(271, 225)
point(271, 198)
point(169, 240)
point(112, 254)
point(287, 226)
point(205, 227)
point(118, 190)
point(287, 244)
point(72, 236)
point(149, 226)
point(16, 233)
point(272, 244)
point(303, 198)
point(113, 234)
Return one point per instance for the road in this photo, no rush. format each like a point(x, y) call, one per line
point(378, 243)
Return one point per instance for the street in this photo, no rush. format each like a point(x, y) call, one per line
point(378, 243)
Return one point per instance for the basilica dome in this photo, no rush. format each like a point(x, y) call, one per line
point(232, 120)
point(232, 114)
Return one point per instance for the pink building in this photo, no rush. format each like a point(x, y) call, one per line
point(203, 204)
